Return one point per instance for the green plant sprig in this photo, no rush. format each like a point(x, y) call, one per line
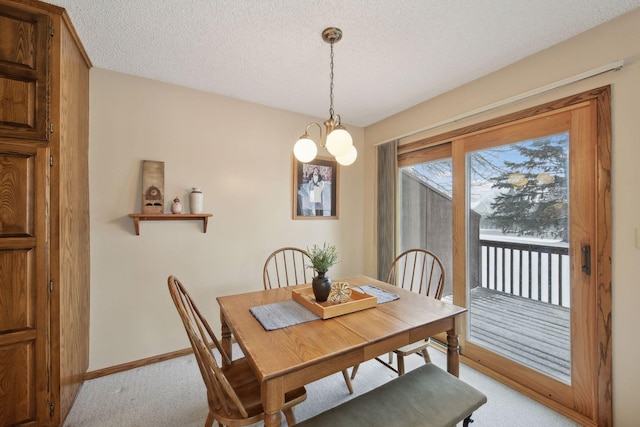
point(322, 258)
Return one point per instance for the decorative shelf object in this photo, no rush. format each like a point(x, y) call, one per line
point(204, 217)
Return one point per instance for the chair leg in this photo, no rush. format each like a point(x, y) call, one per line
point(425, 354)
point(354, 370)
point(209, 422)
point(390, 357)
point(467, 421)
point(345, 374)
point(289, 416)
point(400, 364)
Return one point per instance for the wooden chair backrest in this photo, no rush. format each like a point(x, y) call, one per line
point(221, 395)
point(287, 267)
point(419, 271)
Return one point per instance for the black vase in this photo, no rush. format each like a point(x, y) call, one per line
point(321, 286)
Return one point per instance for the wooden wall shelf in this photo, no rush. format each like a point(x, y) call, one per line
point(169, 217)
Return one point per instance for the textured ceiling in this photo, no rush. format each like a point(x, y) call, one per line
point(393, 55)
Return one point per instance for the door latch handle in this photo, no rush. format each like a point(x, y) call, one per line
point(586, 259)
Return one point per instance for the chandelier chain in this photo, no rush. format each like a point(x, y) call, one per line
point(331, 85)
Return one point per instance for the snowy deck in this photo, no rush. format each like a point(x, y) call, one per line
point(533, 333)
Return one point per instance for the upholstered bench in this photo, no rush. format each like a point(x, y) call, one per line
point(426, 396)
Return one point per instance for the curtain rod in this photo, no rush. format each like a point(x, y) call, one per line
point(613, 66)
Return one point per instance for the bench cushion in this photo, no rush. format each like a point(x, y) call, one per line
point(426, 396)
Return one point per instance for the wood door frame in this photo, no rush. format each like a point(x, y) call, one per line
point(601, 245)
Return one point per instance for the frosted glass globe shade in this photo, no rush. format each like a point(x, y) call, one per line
point(348, 158)
point(305, 149)
point(339, 142)
point(518, 180)
point(545, 179)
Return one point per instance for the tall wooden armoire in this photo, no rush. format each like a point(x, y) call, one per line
point(44, 213)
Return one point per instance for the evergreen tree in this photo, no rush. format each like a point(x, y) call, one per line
point(533, 197)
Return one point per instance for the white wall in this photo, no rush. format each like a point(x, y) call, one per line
point(240, 154)
point(615, 40)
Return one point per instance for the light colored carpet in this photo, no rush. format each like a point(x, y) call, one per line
point(172, 394)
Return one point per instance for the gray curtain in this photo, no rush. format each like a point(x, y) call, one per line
point(387, 183)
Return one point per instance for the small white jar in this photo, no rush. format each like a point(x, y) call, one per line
point(196, 201)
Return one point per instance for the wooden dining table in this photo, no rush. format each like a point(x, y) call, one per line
point(287, 358)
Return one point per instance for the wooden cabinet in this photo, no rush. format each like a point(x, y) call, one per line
point(44, 214)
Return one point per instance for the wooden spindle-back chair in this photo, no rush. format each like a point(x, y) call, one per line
point(287, 267)
point(290, 266)
point(419, 271)
point(233, 391)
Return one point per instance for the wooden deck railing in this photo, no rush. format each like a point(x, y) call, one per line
point(537, 272)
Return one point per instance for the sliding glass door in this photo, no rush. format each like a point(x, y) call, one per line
point(529, 188)
point(511, 210)
point(519, 282)
point(425, 209)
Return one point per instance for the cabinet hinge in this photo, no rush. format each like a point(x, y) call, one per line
point(50, 127)
point(51, 285)
point(50, 160)
point(52, 409)
point(53, 31)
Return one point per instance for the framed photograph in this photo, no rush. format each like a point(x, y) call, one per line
point(315, 189)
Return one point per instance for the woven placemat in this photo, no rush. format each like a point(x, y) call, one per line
point(282, 314)
point(382, 295)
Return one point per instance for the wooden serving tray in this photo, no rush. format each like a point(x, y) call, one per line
point(326, 310)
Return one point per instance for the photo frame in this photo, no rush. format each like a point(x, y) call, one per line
point(315, 189)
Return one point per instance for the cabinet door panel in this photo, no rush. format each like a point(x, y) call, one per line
point(18, 35)
point(24, 41)
point(16, 192)
point(17, 370)
point(24, 288)
point(16, 292)
point(18, 106)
